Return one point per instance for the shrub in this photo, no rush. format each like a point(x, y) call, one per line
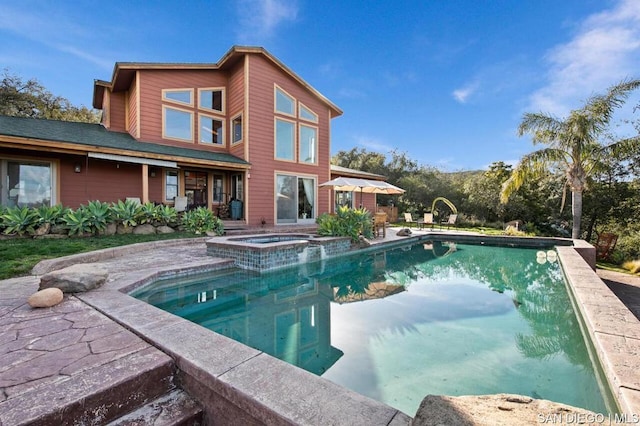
point(147, 213)
point(628, 246)
point(3, 210)
point(166, 215)
point(511, 230)
point(201, 221)
point(78, 221)
point(633, 266)
point(346, 223)
point(19, 220)
point(99, 215)
point(126, 212)
point(51, 215)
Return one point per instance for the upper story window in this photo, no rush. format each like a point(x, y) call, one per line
point(306, 114)
point(211, 99)
point(236, 129)
point(177, 124)
point(285, 140)
point(307, 151)
point(295, 139)
point(211, 130)
point(182, 96)
point(285, 104)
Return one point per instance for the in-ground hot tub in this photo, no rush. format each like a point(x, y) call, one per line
point(263, 252)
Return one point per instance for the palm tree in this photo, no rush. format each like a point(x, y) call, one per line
point(573, 145)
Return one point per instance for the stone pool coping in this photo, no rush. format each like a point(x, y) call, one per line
point(248, 384)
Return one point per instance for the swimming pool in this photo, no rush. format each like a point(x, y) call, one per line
point(398, 324)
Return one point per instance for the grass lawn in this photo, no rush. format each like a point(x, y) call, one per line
point(20, 255)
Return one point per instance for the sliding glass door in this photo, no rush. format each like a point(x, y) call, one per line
point(295, 199)
point(26, 183)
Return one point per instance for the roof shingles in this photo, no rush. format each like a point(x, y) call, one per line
point(95, 135)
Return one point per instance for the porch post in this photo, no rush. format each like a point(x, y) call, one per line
point(145, 183)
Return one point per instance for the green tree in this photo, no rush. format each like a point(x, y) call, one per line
point(19, 98)
point(573, 145)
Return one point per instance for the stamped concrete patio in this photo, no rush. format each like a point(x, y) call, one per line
point(97, 356)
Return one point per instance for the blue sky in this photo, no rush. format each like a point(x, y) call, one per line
point(446, 82)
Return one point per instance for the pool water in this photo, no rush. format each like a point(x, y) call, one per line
point(399, 324)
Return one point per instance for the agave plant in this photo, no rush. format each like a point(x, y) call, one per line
point(19, 220)
point(52, 215)
point(126, 212)
point(166, 214)
point(100, 215)
point(148, 213)
point(78, 221)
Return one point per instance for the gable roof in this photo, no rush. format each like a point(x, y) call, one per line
point(124, 72)
point(94, 137)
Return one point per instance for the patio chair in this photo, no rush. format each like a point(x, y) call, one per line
point(451, 221)
point(605, 244)
point(426, 221)
point(380, 224)
point(180, 204)
point(409, 219)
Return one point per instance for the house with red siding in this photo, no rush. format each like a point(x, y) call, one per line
point(245, 132)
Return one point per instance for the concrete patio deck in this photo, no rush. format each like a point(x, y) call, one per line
point(100, 354)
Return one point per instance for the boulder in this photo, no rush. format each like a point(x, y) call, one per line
point(500, 409)
point(75, 278)
point(42, 230)
point(46, 298)
point(146, 229)
point(164, 229)
point(58, 229)
point(111, 229)
point(124, 229)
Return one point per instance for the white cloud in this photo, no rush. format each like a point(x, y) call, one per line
point(462, 95)
point(260, 18)
point(373, 144)
point(351, 93)
point(604, 51)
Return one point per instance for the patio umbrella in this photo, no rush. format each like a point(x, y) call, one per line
point(363, 185)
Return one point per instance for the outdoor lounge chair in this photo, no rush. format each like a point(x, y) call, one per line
point(426, 221)
point(450, 222)
point(409, 219)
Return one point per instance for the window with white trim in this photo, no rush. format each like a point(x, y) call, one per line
point(211, 130)
point(308, 146)
point(181, 96)
point(177, 124)
point(236, 129)
point(27, 183)
point(211, 99)
point(285, 140)
point(170, 185)
point(285, 104)
point(306, 114)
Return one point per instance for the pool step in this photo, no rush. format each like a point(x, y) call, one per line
point(175, 408)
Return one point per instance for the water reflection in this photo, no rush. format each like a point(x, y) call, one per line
point(288, 313)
